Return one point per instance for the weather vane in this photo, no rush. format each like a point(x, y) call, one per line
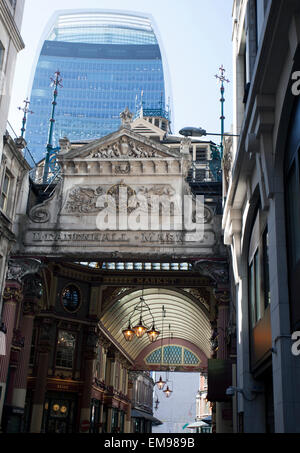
point(222, 79)
point(26, 110)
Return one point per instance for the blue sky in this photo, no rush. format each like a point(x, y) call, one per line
point(196, 36)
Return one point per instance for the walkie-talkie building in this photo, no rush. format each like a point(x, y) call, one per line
point(108, 61)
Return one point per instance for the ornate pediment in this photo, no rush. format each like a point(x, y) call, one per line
point(124, 148)
point(122, 145)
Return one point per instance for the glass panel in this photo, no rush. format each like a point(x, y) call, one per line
point(293, 215)
point(65, 349)
point(71, 298)
point(6, 184)
point(252, 295)
point(267, 294)
point(257, 287)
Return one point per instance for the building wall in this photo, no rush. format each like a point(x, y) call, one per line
point(255, 221)
point(11, 43)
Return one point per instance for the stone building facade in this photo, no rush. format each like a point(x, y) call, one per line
point(11, 13)
point(71, 286)
point(261, 213)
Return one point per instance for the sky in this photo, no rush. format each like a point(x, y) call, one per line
point(196, 36)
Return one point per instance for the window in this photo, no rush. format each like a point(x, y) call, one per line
point(260, 18)
point(65, 353)
point(1, 55)
point(201, 155)
point(259, 285)
point(71, 298)
point(5, 193)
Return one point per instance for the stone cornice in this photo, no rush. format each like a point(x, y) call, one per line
point(11, 26)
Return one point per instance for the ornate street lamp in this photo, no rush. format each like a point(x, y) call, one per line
point(160, 384)
point(128, 333)
point(141, 328)
point(168, 392)
point(153, 334)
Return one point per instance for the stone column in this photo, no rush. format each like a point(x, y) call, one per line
point(44, 349)
point(12, 297)
point(109, 419)
point(90, 355)
point(128, 423)
point(223, 425)
point(31, 307)
point(222, 324)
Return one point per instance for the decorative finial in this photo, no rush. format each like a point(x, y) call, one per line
point(126, 118)
point(221, 77)
point(26, 110)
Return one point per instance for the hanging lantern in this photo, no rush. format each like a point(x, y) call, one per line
point(168, 392)
point(153, 334)
point(128, 333)
point(140, 329)
point(160, 384)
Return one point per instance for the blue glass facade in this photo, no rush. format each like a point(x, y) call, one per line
point(108, 63)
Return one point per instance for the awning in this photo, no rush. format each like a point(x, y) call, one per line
point(197, 425)
point(140, 414)
point(2, 343)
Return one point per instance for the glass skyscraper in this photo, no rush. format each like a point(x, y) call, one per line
point(108, 61)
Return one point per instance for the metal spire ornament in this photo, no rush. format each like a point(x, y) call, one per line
point(26, 110)
point(56, 82)
point(222, 79)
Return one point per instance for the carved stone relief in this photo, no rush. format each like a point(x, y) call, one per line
point(124, 148)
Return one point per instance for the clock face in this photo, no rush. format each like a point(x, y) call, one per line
point(71, 298)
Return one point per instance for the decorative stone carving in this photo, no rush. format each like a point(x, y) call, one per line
point(40, 213)
point(222, 297)
point(201, 295)
point(122, 169)
point(227, 159)
point(83, 200)
point(126, 118)
point(217, 270)
point(65, 145)
point(124, 148)
point(18, 269)
point(33, 291)
point(185, 145)
point(13, 292)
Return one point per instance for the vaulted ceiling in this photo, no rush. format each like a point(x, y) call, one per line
point(187, 320)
